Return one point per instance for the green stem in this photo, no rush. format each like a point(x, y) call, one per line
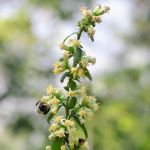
point(67, 113)
point(79, 34)
point(69, 36)
point(78, 37)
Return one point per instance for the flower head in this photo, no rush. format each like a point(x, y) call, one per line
point(53, 127)
point(60, 133)
point(54, 101)
point(50, 90)
point(81, 72)
point(58, 119)
point(96, 19)
point(74, 42)
point(71, 93)
point(48, 148)
point(63, 147)
point(91, 31)
point(69, 123)
point(85, 11)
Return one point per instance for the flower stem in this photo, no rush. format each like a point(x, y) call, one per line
point(79, 34)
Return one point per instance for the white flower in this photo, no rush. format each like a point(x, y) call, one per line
point(96, 19)
point(45, 98)
point(91, 31)
point(48, 148)
point(54, 101)
point(60, 133)
point(69, 123)
point(53, 127)
point(51, 136)
point(54, 110)
point(58, 119)
point(50, 90)
point(63, 147)
point(58, 67)
point(85, 12)
point(71, 93)
point(74, 42)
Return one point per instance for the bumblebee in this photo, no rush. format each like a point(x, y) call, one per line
point(42, 107)
point(81, 141)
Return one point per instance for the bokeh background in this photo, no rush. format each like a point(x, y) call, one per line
point(30, 31)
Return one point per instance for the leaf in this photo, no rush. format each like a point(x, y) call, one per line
point(64, 76)
point(72, 102)
point(57, 143)
point(87, 73)
point(70, 49)
point(66, 88)
point(77, 55)
point(92, 38)
point(72, 84)
point(81, 125)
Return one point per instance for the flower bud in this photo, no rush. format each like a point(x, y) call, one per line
point(63, 147)
point(50, 90)
point(96, 19)
point(74, 70)
point(91, 31)
point(62, 46)
point(71, 93)
point(54, 101)
point(96, 11)
point(48, 148)
point(54, 110)
point(58, 119)
point(106, 9)
point(53, 127)
point(85, 12)
point(69, 123)
point(81, 72)
point(74, 42)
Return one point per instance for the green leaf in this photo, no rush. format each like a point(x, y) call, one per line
point(70, 49)
point(64, 76)
point(77, 55)
point(87, 73)
point(57, 143)
point(72, 84)
point(81, 125)
point(72, 102)
point(66, 88)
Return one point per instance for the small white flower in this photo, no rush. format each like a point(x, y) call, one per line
point(69, 123)
point(53, 127)
point(60, 133)
point(58, 119)
point(54, 110)
point(54, 101)
point(48, 148)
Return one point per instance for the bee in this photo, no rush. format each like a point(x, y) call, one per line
point(81, 141)
point(42, 107)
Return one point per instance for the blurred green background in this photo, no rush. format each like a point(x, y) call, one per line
point(30, 31)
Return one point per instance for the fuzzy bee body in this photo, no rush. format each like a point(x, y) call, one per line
point(42, 107)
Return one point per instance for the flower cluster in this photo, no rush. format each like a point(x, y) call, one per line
point(91, 18)
point(75, 100)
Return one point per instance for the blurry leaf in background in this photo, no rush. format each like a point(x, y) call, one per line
point(63, 8)
point(123, 122)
